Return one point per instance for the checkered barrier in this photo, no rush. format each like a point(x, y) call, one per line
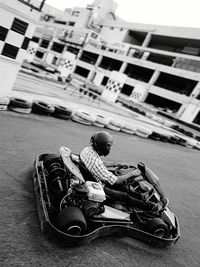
point(15, 35)
point(136, 96)
point(114, 86)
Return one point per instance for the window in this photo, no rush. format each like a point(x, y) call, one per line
point(75, 13)
point(39, 54)
point(3, 33)
point(71, 23)
point(19, 26)
point(104, 81)
point(57, 47)
point(60, 22)
point(35, 39)
point(54, 61)
point(44, 43)
point(25, 43)
point(10, 51)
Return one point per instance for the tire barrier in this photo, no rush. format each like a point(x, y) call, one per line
point(197, 145)
point(143, 131)
point(3, 107)
point(98, 124)
point(155, 136)
point(115, 125)
point(20, 105)
point(4, 102)
point(21, 110)
point(80, 120)
point(174, 139)
point(42, 108)
point(179, 137)
point(101, 121)
point(83, 117)
point(129, 128)
point(61, 112)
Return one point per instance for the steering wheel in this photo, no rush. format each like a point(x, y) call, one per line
point(120, 167)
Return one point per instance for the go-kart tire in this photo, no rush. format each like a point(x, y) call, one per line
point(20, 110)
point(100, 119)
point(98, 124)
point(40, 107)
point(61, 116)
point(71, 221)
point(113, 127)
point(144, 135)
point(157, 227)
point(4, 101)
point(3, 107)
point(80, 120)
point(84, 115)
point(51, 158)
point(116, 123)
point(62, 110)
point(20, 103)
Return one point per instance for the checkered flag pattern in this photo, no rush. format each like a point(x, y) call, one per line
point(31, 50)
point(114, 86)
point(15, 35)
point(68, 64)
point(136, 96)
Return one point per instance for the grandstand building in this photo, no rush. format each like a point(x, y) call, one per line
point(161, 63)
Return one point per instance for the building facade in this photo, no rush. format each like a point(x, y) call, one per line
point(162, 64)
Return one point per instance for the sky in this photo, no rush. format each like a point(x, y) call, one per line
point(181, 13)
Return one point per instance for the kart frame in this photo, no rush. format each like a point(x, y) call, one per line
point(115, 229)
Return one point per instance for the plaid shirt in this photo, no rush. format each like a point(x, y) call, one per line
point(95, 165)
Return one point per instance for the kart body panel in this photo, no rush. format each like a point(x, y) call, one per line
point(119, 222)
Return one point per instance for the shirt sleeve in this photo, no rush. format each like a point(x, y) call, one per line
point(100, 170)
point(96, 166)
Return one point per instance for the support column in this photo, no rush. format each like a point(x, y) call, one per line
point(183, 110)
point(98, 60)
point(154, 77)
point(147, 40)
point(151, 82)
point(123, 67)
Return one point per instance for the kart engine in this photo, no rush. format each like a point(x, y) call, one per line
point(65, 191)
point(88, 199)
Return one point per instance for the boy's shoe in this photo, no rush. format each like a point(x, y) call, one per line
point(147, 195)
point(156, 208)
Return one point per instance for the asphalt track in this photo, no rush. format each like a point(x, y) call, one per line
point(22, 137)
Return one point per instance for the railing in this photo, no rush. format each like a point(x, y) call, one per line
point(33, 4)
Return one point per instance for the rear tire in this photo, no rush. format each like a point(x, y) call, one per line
point(71, 221)
point(51, 158)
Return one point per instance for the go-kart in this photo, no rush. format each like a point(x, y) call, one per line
point(75, 210)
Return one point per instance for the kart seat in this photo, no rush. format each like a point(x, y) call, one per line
point(84, 171)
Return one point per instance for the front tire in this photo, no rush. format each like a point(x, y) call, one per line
point(157, 227)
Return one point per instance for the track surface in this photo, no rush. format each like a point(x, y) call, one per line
point(22, 137)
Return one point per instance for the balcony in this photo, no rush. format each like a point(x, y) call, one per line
point(33, 4)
